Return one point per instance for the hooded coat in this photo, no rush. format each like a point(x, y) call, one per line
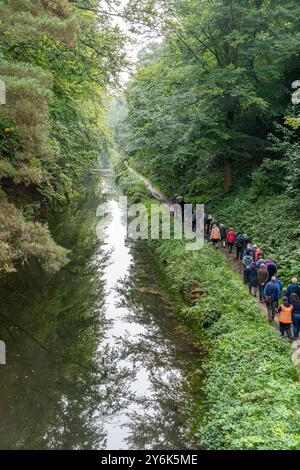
point(257, 253)
point(231, 237)
point(223, 233)
point(215, 234)
point(263, 276)
point(292, 289)
point(272, 290)
point(252, 275)
point(272, 268)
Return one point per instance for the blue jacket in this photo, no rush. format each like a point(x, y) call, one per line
point(279, 283)
point(292, 288)
point(272, 290)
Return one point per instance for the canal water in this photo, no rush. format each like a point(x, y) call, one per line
point(96, 356)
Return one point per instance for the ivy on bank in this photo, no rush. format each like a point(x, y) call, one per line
point(251, 385)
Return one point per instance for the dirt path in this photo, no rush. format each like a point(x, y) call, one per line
point(235, 264)
point(155, 193)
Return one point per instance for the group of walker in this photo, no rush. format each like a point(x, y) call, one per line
point(260, 275)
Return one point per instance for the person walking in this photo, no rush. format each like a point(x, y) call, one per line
point(271, 295)
point(247, 262)
point(285, 318)
point(223, 234)
point(253, 279)
point(296, 314)
point(231, 239)
point(250, 247)
point(215, 236)
point(254, 250)
point(194, 220)
point(205, 218)
point(239, 246)
point(261, 260)
point(178, 208)
point(259, 252)
point(246, 242)
point(293, 288)
point(208, 224)
point(181, 202)
point(271, 268)
point(280, 285)
point(263, 277)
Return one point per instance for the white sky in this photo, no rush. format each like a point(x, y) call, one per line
point(132, 50)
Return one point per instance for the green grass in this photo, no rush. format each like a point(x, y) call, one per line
point(271, 222)
point(251, 386)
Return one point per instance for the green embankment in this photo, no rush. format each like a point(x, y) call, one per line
point(251, 384)
point(270, 221)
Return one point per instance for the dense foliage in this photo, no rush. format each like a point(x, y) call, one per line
point(210, 117)
point(252, 386)
point(57, 60)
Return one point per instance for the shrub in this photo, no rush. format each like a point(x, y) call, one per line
point(252, 387)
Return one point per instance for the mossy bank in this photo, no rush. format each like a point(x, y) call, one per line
point(251, 384)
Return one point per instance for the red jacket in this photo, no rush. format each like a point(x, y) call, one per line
point(231, 237)
point(257, 253)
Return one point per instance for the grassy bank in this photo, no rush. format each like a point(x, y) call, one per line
point(251, 385)
point(270, 220)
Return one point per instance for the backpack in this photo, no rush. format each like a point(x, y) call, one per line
point(247, 261)
point(215, 235)
point(239, 242)
point(269, 297)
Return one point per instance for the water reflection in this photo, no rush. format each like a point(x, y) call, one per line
point(95, 355)
point(150, 344)
point(57, 385)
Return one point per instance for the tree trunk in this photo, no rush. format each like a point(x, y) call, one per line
point(227, 174)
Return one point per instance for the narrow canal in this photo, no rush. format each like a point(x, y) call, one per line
point(96, 356)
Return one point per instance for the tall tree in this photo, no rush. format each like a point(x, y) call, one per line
point(57, 61)
point(218, 82)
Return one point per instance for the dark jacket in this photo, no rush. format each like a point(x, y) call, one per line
point(263, 276)
point(245, 242)
point(272, 269)
point(279, 283)
point(260, 262)
point(296, 308)
point(223, 233)
point(252, 275)
point(292, 289)
point(272, 290)
point(247, 261)
point(239, 242)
